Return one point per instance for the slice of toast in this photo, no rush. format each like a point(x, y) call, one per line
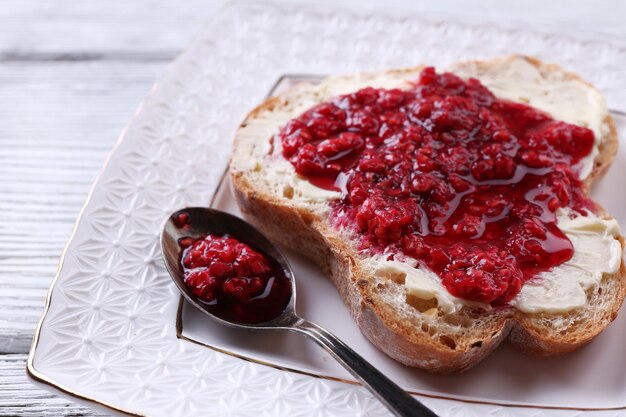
point(411, 331)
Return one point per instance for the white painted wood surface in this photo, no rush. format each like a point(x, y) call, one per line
point(71, 74)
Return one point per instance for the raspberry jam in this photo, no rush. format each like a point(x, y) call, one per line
point(447, 173)
point(238, 283)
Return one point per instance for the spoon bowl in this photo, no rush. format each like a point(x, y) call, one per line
point(198, 222)
point(203, 221)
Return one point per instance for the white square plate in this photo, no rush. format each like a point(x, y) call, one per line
point(109, 333)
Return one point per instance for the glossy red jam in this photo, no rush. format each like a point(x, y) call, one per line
point(238, 283)
point(445, 172)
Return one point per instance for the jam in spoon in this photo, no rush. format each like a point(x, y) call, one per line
point(230, 271)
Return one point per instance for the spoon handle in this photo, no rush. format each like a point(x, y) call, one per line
point(391, 395)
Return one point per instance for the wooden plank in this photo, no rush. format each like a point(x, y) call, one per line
point(60, 120)
point(32, 30)
point(18, 397)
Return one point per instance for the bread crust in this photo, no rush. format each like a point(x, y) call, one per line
point(304, 231)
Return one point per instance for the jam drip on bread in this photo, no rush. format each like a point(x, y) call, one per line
point(446, 173)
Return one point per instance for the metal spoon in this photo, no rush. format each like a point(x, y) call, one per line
point(203, 221)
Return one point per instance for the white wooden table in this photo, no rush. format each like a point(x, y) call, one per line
point(71, 74)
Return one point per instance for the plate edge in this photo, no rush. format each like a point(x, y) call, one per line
point(39, 377)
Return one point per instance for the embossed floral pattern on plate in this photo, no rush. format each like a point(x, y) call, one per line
point(109, 332)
